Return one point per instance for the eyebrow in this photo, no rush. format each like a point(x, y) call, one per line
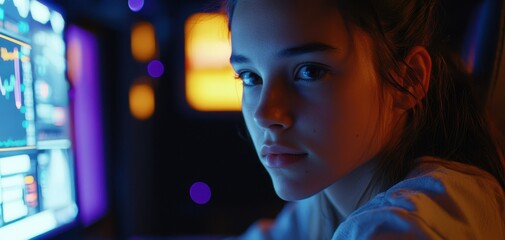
point(291, 52)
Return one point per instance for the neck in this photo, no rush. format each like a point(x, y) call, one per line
point(345, 194)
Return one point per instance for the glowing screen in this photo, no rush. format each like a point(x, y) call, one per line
point(37, 190)
point(17, 130)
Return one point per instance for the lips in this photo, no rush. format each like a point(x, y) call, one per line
point(278, 156)
point(279, 149)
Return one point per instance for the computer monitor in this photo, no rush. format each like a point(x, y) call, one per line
point(37, 186)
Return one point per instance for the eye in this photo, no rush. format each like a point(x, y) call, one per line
point(248, 78)
point(310, 72)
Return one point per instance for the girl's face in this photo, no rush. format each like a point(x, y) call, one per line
point(311, 102)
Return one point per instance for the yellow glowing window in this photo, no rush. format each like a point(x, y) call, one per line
point(210, 85)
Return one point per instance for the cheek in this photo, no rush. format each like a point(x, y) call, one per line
point(249, 105)
point(344, 127)
point(248, 114)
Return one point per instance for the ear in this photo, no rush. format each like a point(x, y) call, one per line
point(419, 61)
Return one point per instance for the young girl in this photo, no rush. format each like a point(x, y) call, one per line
point(365, 122)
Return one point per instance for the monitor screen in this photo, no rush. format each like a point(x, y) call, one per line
point(37, 187)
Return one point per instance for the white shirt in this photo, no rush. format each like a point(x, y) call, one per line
point(438, 200)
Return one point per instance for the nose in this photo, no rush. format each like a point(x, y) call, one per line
point(274, 110)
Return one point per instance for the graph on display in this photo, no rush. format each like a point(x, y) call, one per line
point(16, 100)
point(13, 83)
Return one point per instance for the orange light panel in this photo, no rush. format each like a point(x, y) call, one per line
point(143, 41)
point(141, 99)
point(210, 85)
point(74, 56)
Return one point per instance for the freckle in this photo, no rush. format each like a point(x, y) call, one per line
point(306, 171)
point(357, 135)
point(314, 130)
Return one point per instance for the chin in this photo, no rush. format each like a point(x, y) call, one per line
point(293, 191)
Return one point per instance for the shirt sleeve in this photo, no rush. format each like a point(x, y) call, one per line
point(439, 201)
point(385, 223)
point(290, 223)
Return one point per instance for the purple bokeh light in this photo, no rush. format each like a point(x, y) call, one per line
point(90, 162)
point(200, 193)
point(135, 5)
point(155, 69)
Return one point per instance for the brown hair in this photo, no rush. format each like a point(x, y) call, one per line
point(450, 122)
